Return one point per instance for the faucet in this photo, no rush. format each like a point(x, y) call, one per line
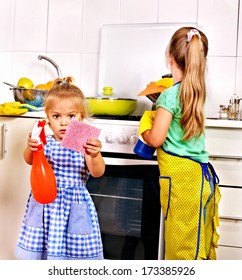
point(59, 74)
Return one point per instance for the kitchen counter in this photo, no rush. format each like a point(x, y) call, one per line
point(40, 114)
point(223, 123)
point(210, 122)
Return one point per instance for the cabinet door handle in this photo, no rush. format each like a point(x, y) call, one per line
point(231, 218)
point(3, 134)
point(224, 157)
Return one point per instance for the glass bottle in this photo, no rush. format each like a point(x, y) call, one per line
point(234, 107)
point(223, 113)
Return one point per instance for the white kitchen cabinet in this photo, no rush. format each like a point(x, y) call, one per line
point(225, 147)
point(15, 181)
point(230, 230)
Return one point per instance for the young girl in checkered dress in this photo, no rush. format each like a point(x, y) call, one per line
point(67, 228)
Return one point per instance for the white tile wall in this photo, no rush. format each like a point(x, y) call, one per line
point(220, 83)
point(97, 13)
point(65, 26)
point(89, 74)
point(137, 11)
point(69, 33)
point(219, 21)
point(239, 77)
point(6, 25)
point(5, 74)
point(30, 25)
point(178, 11)
point(240, 31)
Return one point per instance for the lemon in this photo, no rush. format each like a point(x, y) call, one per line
point(25, 82)
point(42, 86)
point(27, 94)
point(50, 84)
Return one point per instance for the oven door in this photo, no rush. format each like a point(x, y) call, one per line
point(127, 199)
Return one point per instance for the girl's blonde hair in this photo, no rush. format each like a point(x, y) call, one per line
point(189, 53)
point(64, 90)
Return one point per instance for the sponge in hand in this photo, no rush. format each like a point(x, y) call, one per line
point(77, 134)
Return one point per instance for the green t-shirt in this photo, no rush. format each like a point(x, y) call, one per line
point(195, 147)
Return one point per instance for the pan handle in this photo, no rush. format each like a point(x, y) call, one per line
point(13, 86)
point(167, 76)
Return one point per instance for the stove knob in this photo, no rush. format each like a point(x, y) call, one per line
point(122, 138)
point(133, 139)
point(109, 138)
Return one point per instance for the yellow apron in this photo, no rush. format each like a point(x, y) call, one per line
point(189, 195)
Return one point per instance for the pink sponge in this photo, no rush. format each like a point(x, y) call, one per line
point(77, 134)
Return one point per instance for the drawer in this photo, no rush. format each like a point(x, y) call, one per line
point(224, 141)
point(230, 212)
point(230, 232)
point(230, 204)
point(228, 171)
point(229, 253)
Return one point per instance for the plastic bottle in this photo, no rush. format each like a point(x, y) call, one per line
point(42, 178)
point(142, 149)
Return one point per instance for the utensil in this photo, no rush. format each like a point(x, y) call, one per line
point(154, 89)
point(108, 104)
point(142, 149)
point(13, 86)
point(111, 106)
point(34, 97)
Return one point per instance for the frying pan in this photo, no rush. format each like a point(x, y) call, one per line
point(111, 106)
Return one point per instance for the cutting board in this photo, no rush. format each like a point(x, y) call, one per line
point(131, 56)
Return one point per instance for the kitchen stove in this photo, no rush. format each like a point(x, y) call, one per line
point(127, 196)
point(118, 134)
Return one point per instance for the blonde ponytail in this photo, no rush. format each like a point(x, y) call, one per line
point(190, 56)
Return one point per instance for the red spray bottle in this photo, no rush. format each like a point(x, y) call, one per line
point(42, 178)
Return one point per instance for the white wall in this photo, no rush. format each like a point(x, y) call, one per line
point(69, 33)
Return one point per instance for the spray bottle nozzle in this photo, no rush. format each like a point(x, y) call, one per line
point(38, 133)
point(42, 132)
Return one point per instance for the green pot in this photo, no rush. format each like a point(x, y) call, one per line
point(111, 106)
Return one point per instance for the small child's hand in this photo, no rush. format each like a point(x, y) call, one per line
point(93, 147)
point(32, 143)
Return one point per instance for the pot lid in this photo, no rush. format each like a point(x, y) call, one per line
point(110, 98)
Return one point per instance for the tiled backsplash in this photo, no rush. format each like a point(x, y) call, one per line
point(69, 33)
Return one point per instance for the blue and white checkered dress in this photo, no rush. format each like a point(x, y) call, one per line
point(67, 228)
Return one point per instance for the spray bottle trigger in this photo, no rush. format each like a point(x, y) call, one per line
point(42, 134)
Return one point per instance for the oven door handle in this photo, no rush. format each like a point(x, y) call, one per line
point(123, 161)
point(127, 159)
